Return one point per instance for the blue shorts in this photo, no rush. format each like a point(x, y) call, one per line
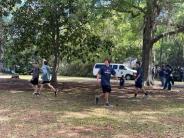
point(138, 84)
point(106, 89)
point(34, 81)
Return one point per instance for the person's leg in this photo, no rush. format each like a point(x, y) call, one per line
point(122, 83)
point(50, 86)
point(102, 95)
point(31, 84)
point(53, 89)
point(106, 90)
point(107, 98)
point(172, 80)
point(41, 87)
point(97, 97)
point(166, 83)
point(162, 81)
point(36, 88)
point(138, 86)
point(136, 92)
point(144, 91)
point(169, 84)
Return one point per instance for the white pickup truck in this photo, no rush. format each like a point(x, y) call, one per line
point(120, 70)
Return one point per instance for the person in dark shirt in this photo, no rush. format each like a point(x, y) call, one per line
point(121, 82)
point(162, 75)
point(105, 72)
point(139, 80)
point(169, 79)
point(35, 78)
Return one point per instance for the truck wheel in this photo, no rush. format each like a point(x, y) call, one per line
point(128, 77)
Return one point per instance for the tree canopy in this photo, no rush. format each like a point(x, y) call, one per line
point(90, 30)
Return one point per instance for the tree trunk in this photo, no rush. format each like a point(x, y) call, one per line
point(56, 48)
point(161, 53)
point(147, 49)
point(54, 71)
point(149, 27)
point(147, 63)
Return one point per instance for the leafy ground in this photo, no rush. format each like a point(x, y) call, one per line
point(73, 113)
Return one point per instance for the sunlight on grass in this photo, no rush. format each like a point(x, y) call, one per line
point(75, 114)
point(147, 112)
point(16, 92)
point(60, 78)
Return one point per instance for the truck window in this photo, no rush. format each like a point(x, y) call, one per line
point(115, 67)
point(122, 67)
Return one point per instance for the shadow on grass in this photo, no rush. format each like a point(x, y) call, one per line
point(74, 114)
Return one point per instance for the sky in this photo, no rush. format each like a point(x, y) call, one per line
point(8, 18)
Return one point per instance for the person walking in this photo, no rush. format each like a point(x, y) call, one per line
point(46, 71)
point(169, 79)
point(162, 75)
point(105, 73)
point(139, 80)
point(35, 78)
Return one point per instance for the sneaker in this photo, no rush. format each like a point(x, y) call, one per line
point(36, 93)
point(108, 105)
point(145, 96)
point(96, 100)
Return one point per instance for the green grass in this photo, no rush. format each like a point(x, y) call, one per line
point(73, 114)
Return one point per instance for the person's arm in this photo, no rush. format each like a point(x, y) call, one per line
point(113, 72)
point(98, 78)
point(30, 71)
point(137, 77)
point(139, 74)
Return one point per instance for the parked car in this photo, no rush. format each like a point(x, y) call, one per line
point(120, 70)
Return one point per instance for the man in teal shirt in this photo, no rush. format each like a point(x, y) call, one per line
point(46, 77)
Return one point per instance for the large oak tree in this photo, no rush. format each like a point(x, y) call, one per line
point(155, 14)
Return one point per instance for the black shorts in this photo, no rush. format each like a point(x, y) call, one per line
point(34, 81)
point(106, 89)
point(138, 84)
point(45, 82)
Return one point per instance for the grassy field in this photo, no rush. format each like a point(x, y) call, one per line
point(73, 113)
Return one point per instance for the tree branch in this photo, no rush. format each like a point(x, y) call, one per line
point(135, 7)
point(158, 37)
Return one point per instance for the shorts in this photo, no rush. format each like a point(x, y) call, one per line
point(45, 82)
point(34, 81)
point(106, 89)
point(138, 84)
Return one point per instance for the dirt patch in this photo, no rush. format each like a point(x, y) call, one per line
point(37, 117)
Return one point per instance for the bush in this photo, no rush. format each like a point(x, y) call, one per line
point(77, 70)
